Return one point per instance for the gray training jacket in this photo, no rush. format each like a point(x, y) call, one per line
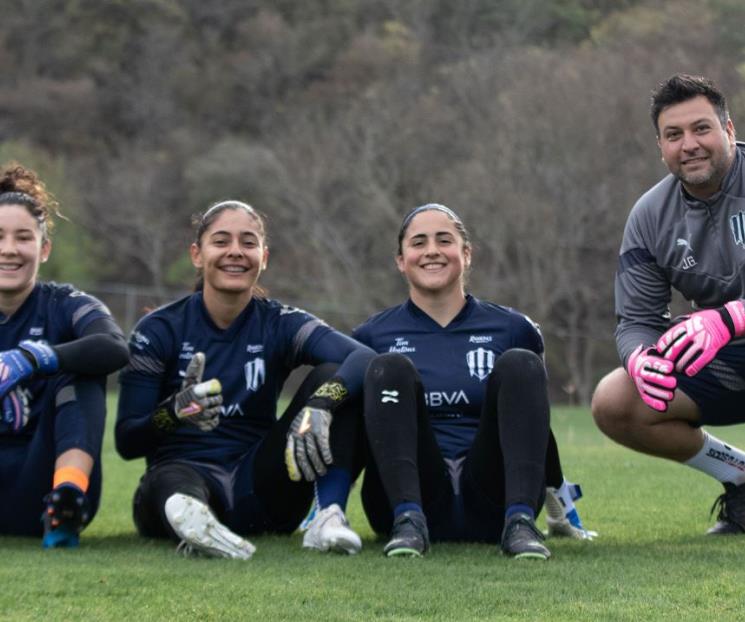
point(674, 240)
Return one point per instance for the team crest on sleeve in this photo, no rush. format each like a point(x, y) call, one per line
point(255, 371)
point(480, 362)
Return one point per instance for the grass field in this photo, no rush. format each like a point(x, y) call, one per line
point(651, 562)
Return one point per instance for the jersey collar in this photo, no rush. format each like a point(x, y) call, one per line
point(463, 314)
point(224, 333)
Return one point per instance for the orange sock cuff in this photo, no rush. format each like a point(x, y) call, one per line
point(71, 475)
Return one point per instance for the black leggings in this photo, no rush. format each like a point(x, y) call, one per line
point(463, 499)
point(258, 495)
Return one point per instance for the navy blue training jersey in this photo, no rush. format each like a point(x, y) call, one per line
point(53, 313)
point(252, 359)
point(453, 361)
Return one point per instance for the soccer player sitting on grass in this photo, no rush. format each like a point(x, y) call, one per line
point(56, 346)
point(199, 401)
point(687, 233)
point(457, 411)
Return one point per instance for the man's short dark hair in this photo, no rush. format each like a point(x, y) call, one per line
point(682, 87)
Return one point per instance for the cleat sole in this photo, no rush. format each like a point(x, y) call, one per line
point(535, 556)
point(403, 552)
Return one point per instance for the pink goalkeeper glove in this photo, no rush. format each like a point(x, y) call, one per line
point(651, 375)
point(693, 343)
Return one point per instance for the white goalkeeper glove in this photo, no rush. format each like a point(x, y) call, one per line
point(197, 403)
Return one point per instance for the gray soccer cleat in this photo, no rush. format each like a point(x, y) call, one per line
point(409, 536)
point(201, 532)
point(522, 540)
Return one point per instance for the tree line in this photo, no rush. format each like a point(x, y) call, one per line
point(529, 118)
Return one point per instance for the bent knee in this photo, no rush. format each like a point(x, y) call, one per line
point(519, 361)
point(390, 365)
point(614, 403)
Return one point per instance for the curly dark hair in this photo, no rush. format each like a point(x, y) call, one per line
point(21, 186)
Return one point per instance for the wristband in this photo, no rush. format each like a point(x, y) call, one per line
point(164, 418)
point(330, 395)
point(41, 355)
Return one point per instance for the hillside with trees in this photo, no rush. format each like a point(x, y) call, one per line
point(334, 117)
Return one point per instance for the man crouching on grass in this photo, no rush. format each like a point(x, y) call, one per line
point(687, 233)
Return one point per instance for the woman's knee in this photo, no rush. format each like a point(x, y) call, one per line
point(390, 366)
point(519, 365)
point(156, 486)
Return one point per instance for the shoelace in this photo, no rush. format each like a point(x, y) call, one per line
point(405, 519)
point(721, 502)
point(529, 525)
point(728, 498)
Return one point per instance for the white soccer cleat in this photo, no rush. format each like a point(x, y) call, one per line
point(563, 528)
point(329, 531)
point(200, 531)
point(563, 524)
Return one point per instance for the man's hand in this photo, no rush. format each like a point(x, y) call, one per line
point(19, 364)
point(308, 449)
point(695, 342)
point(652, 376)
point(197, 403)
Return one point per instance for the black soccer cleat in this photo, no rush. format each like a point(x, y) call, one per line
point(731, 516)
point(66, 512)
point(521, 539)
point(409, 536)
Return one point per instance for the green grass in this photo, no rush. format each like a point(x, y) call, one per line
point(651, 562)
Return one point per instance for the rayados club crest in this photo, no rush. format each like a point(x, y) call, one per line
point(255, 371)
point(480, 362)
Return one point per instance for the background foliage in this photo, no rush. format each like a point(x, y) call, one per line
point(336, 116)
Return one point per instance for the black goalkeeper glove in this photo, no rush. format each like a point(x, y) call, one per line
point(197, 403)
point(308, 450)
